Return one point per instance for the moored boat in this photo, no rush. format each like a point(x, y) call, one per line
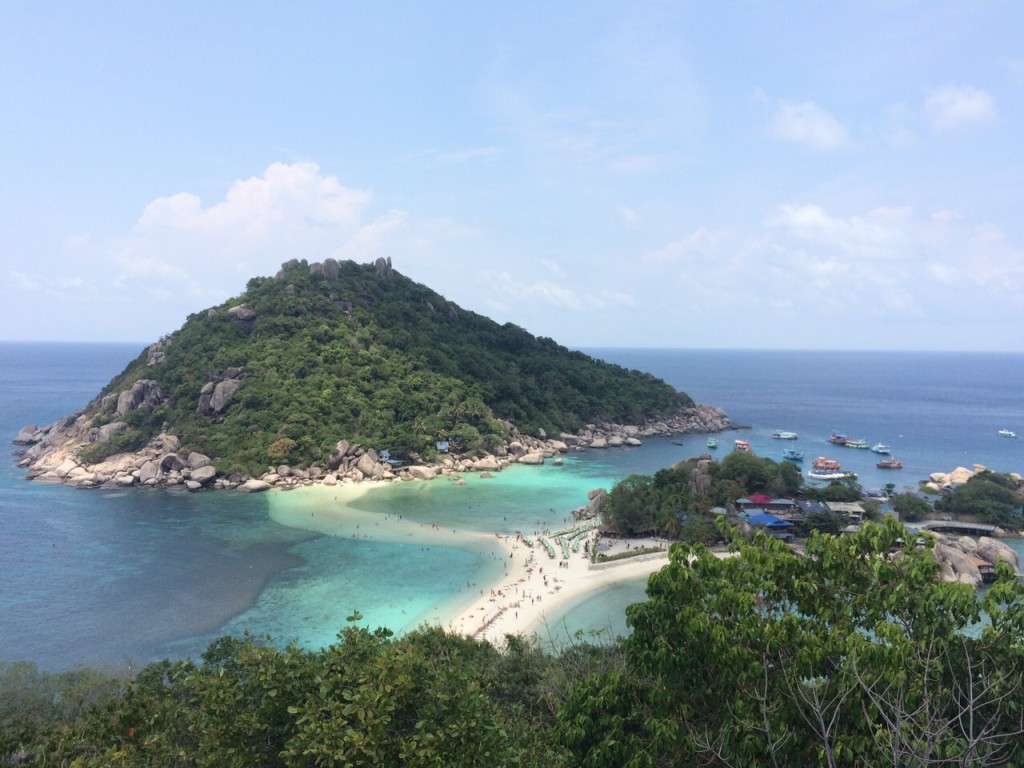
point(829, 474)
point(1007, 433)
point(856, 443)
point(712, 442)
point(791, 454)
point(881, 448)
point(741, 445)
point(889, 463)
point(838, 438)
point(781, 434)
point(826, 464)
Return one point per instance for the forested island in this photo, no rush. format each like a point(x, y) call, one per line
point(346, 368)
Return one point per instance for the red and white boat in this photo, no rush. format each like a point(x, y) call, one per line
point(830, 465)
point(889, 463)
point(741, 445)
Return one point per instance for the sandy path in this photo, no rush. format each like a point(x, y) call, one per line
point(536, 586)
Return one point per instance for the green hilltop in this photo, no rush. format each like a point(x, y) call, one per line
point(339, 350)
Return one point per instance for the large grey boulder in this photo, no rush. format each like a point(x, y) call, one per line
point(203, 475)
point(150, 473)
point(242, 312)
point(252, 485)
point(964, 568)
point(994, 550)
point(27, 435)
point(143, 392)
point(171, 463)
point(486, 464)
point(420, 472)
point(533, 458)
point(198, 460)
point(222, 394)
point(107, 431)
point(366, 464)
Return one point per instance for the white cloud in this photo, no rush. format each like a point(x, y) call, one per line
point(506, 292)
point(695, 247)
point(808, 125)
point(297, 195)
point(544, 291)
point(955, 106)
point(820, 271)
point(184, 254)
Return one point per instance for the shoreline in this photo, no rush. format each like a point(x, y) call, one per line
point(529, 589)
point(538, 586)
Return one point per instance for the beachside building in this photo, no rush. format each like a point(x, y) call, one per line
point(772, 525)
point(765, 502)
point(852, 509)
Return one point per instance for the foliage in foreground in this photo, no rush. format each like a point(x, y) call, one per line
point(854, 655)
point(427, 699)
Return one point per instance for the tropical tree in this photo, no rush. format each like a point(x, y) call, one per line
point(852, 655)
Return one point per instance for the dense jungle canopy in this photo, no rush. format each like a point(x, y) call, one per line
point(341, 350)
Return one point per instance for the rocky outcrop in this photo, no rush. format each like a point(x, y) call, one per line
point(155, 354)
point(994, 551)
point(945, 481)
point(51, 455)
point(592, 509)
point(144, 393)
point(215, 395)
point(967, 560)
point(382, 267)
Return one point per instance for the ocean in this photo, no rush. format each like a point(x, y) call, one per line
point(114, 578)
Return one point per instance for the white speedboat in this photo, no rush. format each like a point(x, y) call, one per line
point(1007, 433)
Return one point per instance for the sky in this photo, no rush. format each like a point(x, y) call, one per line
point(735, 175)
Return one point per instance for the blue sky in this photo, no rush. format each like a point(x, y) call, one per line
point(720, 174)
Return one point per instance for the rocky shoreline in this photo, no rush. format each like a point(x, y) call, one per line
point(50, 455)
point(969, 560)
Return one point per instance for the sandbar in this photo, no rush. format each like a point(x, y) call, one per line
point(532, 588)
point(538, 586)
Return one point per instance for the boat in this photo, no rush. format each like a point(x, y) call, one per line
point(856, 443)
point(826, 464)
point(829, 474)
point(838, 438)
point(741, 445)
point(712, 442)
point(780, 434)
point(881, 448)
point(889, 463)
point(791, 454)
point(1007, 433)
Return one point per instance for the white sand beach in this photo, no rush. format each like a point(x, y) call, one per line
point(537, 586)
point(532, 587)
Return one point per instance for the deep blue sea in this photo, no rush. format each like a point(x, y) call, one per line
point(126, 577)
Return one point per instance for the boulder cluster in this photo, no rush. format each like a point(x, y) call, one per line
point(968, 560)
point(51, 454)
point(946, 481)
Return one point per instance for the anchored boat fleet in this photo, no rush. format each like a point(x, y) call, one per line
point(825, 468)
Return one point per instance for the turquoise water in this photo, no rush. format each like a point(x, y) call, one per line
point(111, 577)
